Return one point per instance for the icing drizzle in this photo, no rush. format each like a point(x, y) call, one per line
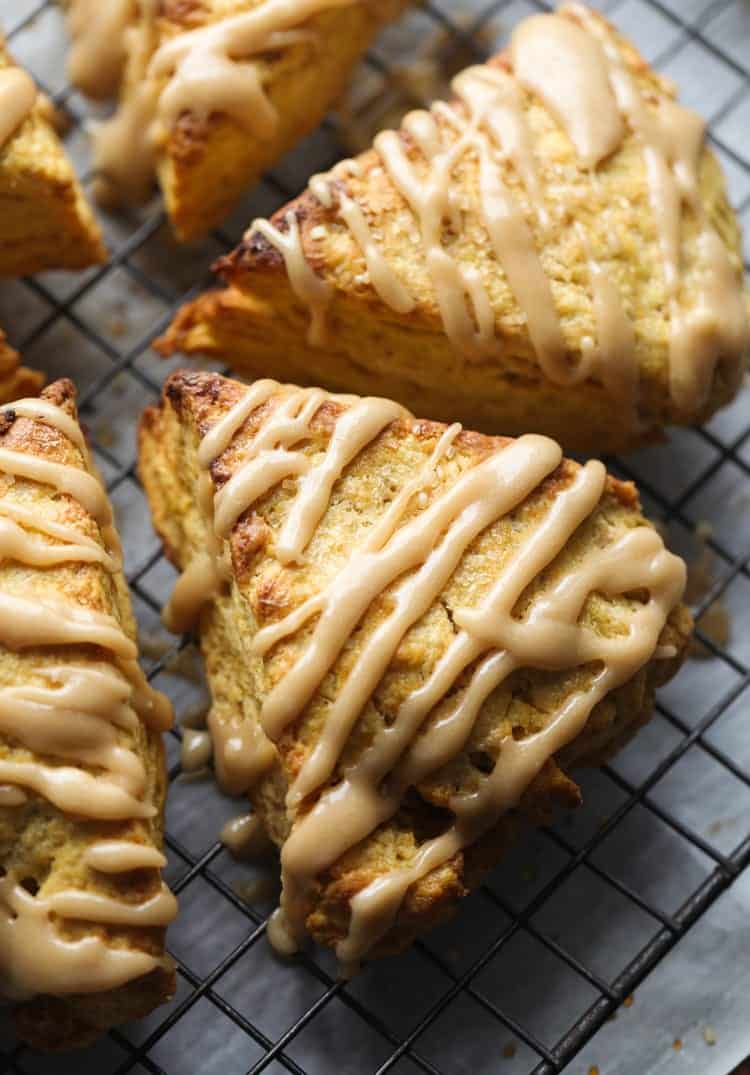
point(412, 555)
point(75, 730)
point(213, 69)
point(18, 95)
point(572, 63)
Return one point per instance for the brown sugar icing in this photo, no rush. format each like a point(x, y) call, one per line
point(82, 716)
point(572, 62)
point(421, 550)
point(18, 94)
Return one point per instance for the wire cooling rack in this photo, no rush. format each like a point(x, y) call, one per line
point(580, 915)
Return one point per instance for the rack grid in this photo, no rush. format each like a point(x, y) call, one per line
point(85, 325)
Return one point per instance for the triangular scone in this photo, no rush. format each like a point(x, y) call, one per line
point(83, 909)
point(431, 625)
point(45, 220)
point(16, 380)
point(553, 251)
point(214, 93)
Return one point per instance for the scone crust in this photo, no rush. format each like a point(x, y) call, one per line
point(263, 591)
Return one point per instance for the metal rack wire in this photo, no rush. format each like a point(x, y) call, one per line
point(56, 318)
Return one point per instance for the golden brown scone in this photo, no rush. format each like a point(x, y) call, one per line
point(539, 292)
point(16, 380)
point(45, 220)
point(83, 909)
point(252, 577)
point(219, 141)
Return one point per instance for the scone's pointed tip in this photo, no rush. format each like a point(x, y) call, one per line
point(62, 393)
point(190, 321)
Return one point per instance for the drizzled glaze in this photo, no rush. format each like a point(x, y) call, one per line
point(18, 94)
point(417, 555)
point(83, 720)
point(242, 752)
point(570, 61)
point(213, 69)
point(97, 55)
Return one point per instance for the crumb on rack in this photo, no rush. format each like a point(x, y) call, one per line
point(714, 622)
point(709, 1035)
point(104, 434)
point(186, 663)
point(628, 1002)
point(677, 1044)
point(119, 384)
point(118, 326)
point(153, 645)
point(509, 1050)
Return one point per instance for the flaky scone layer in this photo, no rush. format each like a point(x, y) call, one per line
point(260, 325)
point(45, 220)
point(264, 590)
point(41, 843)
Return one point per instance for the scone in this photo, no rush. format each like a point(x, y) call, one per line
point(553, 251)
point(214, 92)
point(16, 380)
point(411, 634)
point(83, 909)
point(45, 220)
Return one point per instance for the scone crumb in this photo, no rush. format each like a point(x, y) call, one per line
point(709, 1035)
point(593, 1070)
point(677, 1044)
point(628, 1002)
point(509, 1050)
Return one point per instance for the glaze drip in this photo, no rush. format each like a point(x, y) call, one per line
point(18, 95)
point(410, 554)
point(75, 728)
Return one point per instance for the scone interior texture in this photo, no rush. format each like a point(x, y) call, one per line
point(212, 93)
point(83, 909)
point(45, 221)
point(410, 633)
point(552, 251)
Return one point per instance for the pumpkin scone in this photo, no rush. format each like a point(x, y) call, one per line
point(16, 380)
point(83, 909)
point(411, 632)
point(553, 251)
point(45, 220)
point(213, 92)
